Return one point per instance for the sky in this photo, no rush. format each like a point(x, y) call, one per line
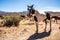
point(21, 5)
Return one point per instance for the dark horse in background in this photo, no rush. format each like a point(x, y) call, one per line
point(56, 18)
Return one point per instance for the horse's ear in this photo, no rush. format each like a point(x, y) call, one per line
point(32, 5)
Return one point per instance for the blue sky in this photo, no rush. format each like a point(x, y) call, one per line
point(21, 5)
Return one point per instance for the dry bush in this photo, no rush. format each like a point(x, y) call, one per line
point(12, 21)
point(8, 22)
point(1, 17)
point(23, 16)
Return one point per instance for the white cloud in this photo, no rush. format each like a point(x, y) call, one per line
point(54, 9)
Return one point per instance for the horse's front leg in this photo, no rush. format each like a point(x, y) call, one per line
point(36, 27)
point(36, 21)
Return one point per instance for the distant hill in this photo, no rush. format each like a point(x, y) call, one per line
point(13, 13)
point(2, 12)
point(25, 13)
point(53, 13)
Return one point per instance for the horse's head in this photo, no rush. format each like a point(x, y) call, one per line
point(30, 7)
point(31, 10)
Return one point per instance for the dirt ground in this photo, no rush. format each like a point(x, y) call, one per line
point(27, 31)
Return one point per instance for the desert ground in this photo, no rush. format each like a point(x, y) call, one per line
point(27, 31)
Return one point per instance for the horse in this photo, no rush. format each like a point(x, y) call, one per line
point(56, 18)
point(34, 13)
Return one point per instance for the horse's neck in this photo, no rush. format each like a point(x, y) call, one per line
point(37, 12)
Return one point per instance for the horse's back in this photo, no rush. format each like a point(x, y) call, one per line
point(39, 16)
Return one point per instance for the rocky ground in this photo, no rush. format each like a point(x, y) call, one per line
point(26, 31)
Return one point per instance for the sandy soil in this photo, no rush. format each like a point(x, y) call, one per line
point(27, 29)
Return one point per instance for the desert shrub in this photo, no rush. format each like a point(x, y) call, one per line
point(1, 23)
point(15, 21)
point(12, 21)
point(23, 16)
point(8, 22)
point(1, 17)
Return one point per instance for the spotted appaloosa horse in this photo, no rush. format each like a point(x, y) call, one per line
point(33, 13)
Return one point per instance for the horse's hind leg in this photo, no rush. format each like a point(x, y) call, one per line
point(50, 24)
point(45, 25)
point(56, 21)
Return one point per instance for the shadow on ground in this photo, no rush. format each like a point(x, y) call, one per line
point(39, 35)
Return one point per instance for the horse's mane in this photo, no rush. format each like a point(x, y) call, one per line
point(37, 11)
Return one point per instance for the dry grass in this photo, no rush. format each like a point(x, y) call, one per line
point(24, 31)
